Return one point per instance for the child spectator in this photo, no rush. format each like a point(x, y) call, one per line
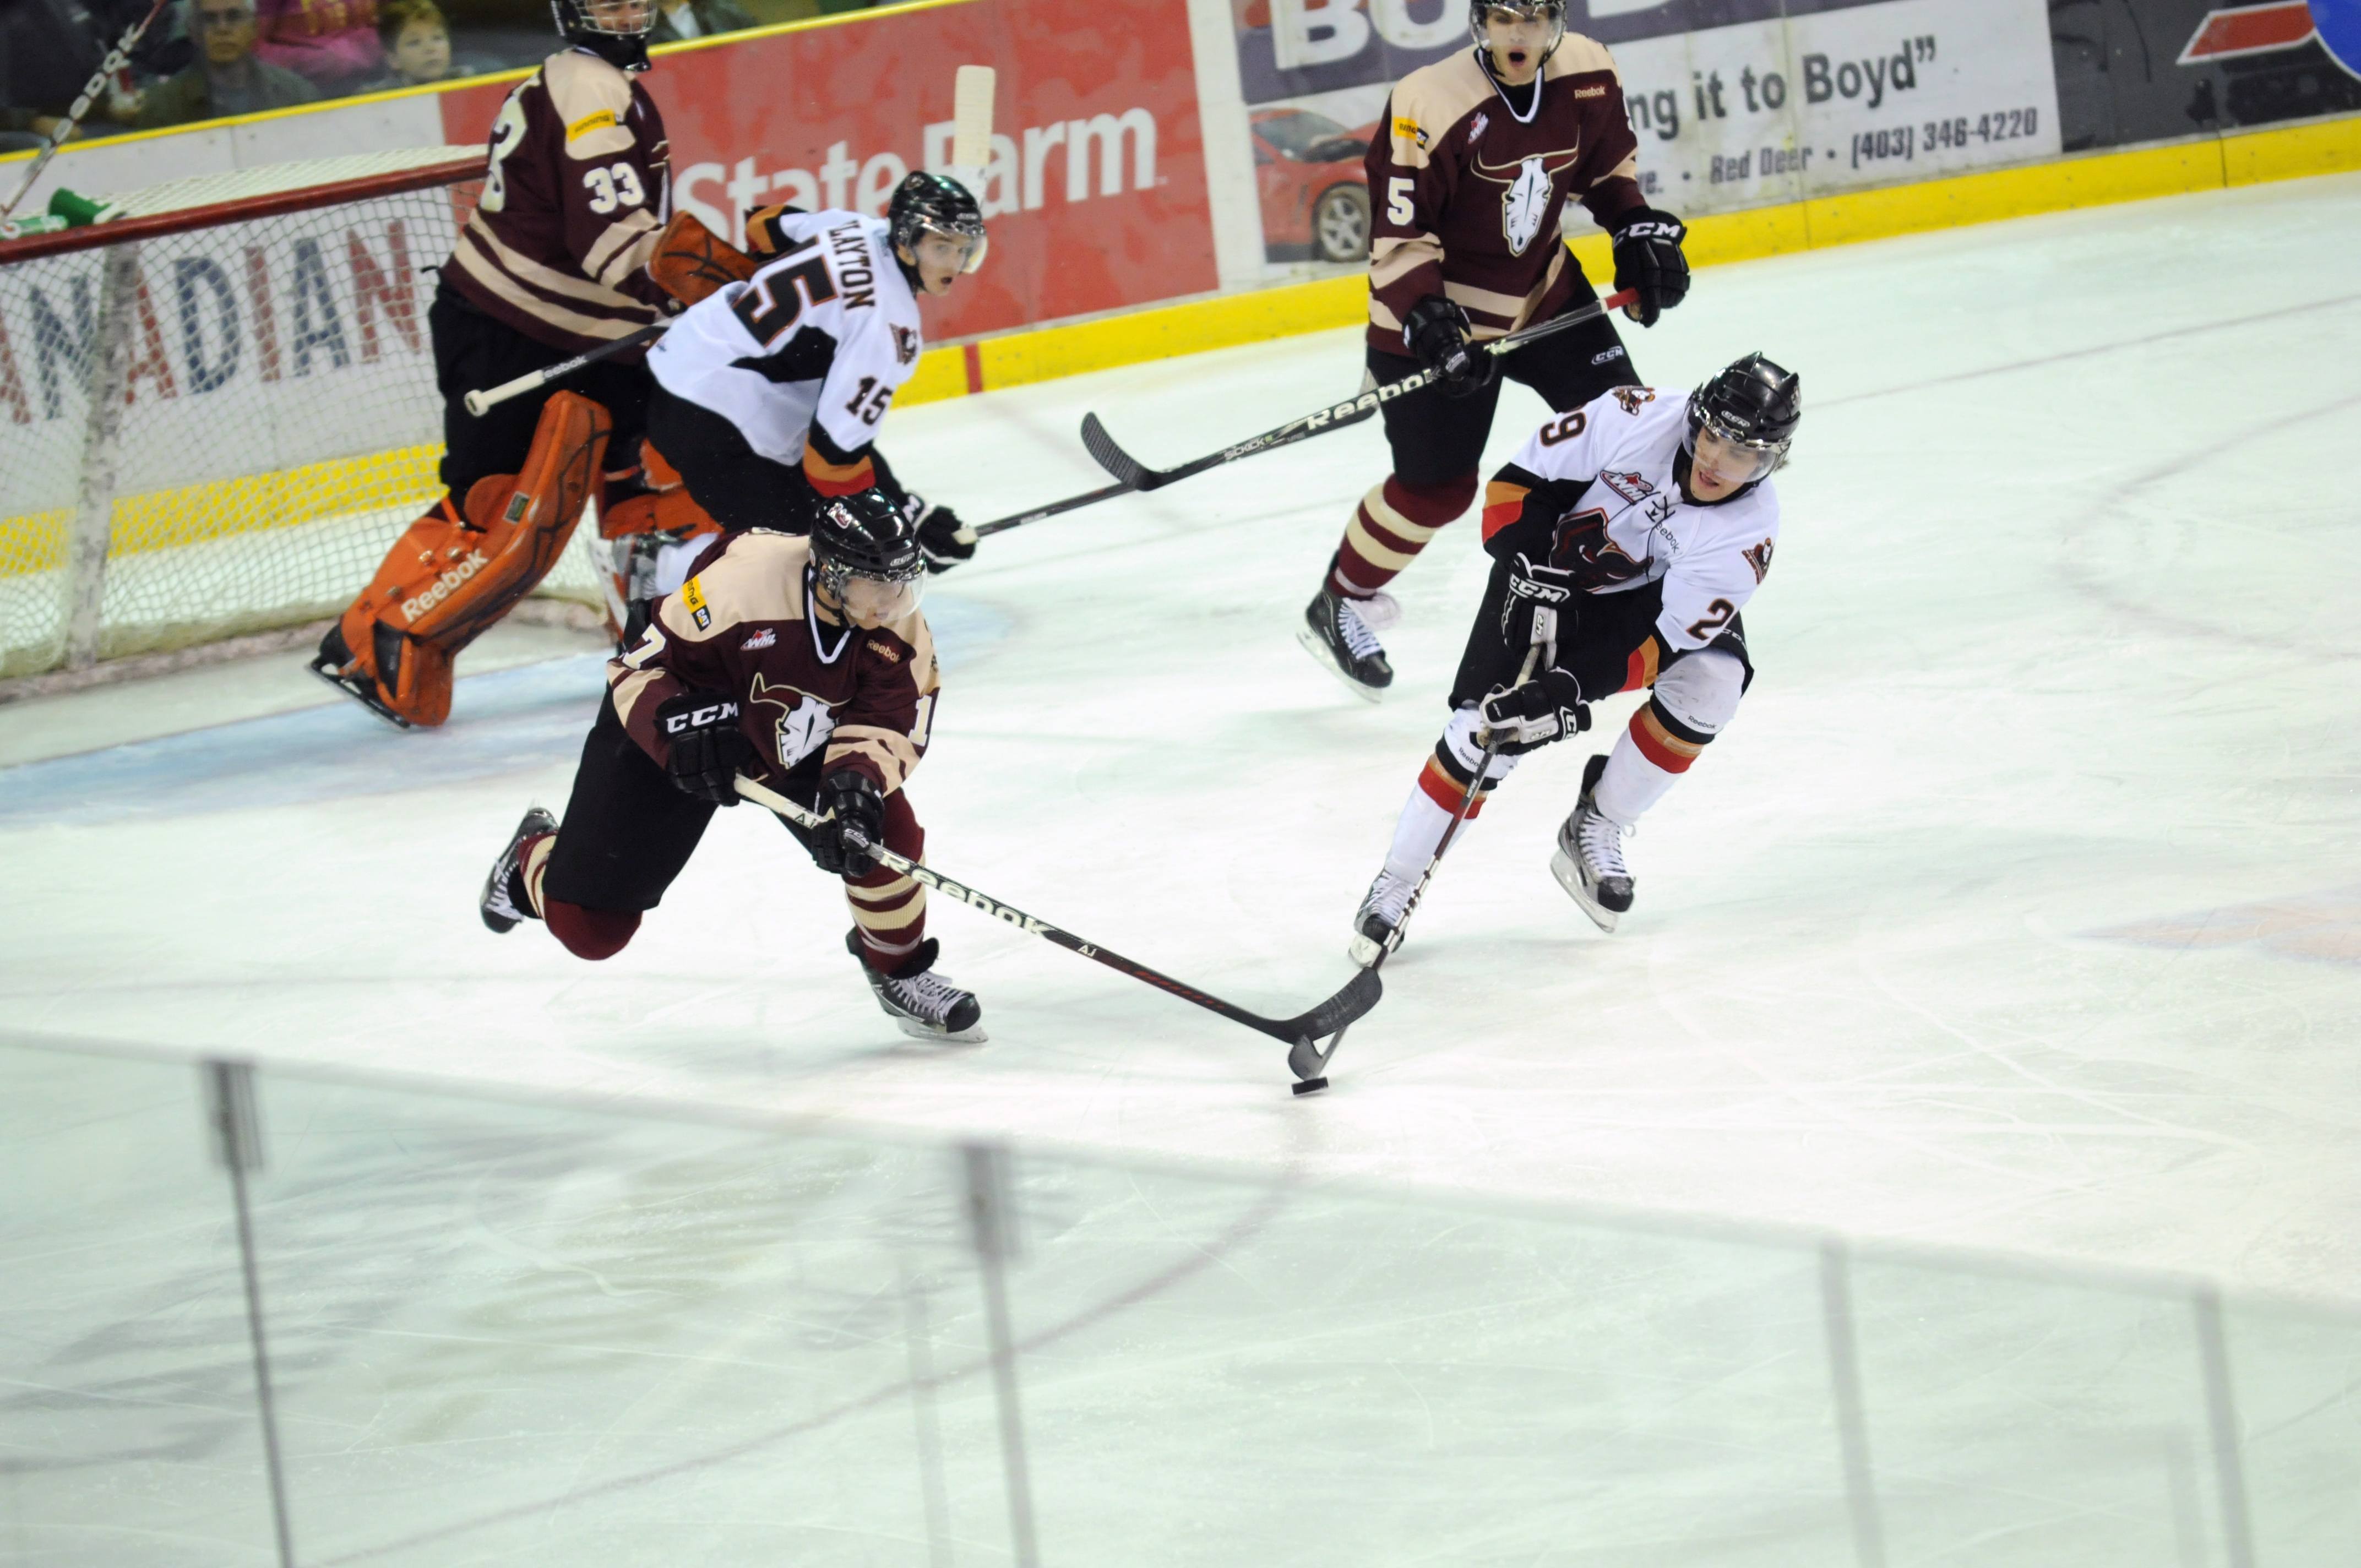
point(417, 39)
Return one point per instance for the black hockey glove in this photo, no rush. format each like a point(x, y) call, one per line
point(706, 746)
point(943, 539)
point(857, 811)
point(1648, 258)
point(1547, 708)
point(1535, 597)
point(1436, 331)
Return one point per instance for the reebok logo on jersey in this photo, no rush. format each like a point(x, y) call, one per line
point(766, 638)
point(1591, 92)
point(445, 585)
point(884, 652)
point(1631, 486)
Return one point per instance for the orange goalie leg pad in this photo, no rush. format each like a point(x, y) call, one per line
point(451, 578)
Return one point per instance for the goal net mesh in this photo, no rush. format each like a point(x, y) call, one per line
point(219, 411)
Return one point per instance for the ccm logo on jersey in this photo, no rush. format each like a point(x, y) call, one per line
point(713, 713)
point(443, 587)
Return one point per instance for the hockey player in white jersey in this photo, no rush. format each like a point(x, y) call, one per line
point(769, 393)
point(1626, 535)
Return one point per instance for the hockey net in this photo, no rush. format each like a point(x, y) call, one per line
point(218, 410)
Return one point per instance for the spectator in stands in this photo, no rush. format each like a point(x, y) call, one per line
point(417, 38)
point(227, 79)
point(678, 19)
point(332, 44)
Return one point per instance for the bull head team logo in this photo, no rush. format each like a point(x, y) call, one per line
point(1531, 190)
point(804, 723)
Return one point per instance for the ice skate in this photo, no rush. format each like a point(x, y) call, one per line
point(925, 1004)
point(330, 664)
point(502, 905)
point(1382, 912)
point(1336, 632)
point(1589, 860)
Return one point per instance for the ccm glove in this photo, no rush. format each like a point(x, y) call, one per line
point(857, 820)
point(1530, 609)
point(1547, 708)
point(943, 539)
point(706, 746)
point(1436, 331)
point(1648, 258)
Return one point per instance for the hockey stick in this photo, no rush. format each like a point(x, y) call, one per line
point(1137, 476)
point(480, 401)
point(1307, 1061)
point(116, 59)
point(1072, 503)
point(1330, 1017)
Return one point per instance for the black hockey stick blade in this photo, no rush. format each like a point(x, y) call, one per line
point(1126, 469)
point(1332, 1018)
point(1072, 503)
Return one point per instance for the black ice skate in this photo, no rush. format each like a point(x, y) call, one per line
point(503, 902)
point(1589, 860)
point(1336, 633)
point(330, 664)
point(927, 1005)
point(1382, 911)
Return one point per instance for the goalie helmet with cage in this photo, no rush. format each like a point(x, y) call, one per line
point(865, 554)
point(615, 30)
point(936, 204)
point(1750, 410)
point(1552, 12)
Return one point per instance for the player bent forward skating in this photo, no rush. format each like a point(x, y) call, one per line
point(1627, 536)
point(1481, 155)
point(802, 662)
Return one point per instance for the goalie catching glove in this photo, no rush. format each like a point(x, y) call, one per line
point(1547, 708)
point(705, 748)
point(691, 261)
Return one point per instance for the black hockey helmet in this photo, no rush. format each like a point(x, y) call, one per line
point(611, 39)
point(1753, 405)
point(928, 203)
point(1550, 11)
point(865, 550)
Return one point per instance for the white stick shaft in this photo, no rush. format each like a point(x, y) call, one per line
point(972, 96)
point(116, 60)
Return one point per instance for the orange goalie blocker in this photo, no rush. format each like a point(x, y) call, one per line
point(450, 577)
point(691, 261)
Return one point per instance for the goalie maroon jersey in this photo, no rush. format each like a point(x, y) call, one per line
point(744, 626)
point(578, 193)
point(1468, 192)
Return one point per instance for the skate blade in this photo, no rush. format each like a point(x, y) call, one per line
point(1569, 877)
point(365, 699)
point(1319, 655)
point(973, 1035)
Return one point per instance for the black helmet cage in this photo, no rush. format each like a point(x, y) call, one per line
point(1713, 406)
point(625, 48)
point(1551, 11)
point(926, 203)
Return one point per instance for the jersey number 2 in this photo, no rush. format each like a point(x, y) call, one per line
point(770, 304)
point(1717, 616)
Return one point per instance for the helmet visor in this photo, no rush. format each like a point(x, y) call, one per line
point(871, 602)
point(1719, 459)
point(957, 250)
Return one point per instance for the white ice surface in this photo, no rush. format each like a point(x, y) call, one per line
point(2020, 908)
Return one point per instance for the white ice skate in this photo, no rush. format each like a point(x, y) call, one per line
point(1589, 860)
point(1382, 911)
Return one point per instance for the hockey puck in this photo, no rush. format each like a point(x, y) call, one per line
point(1311, 1085)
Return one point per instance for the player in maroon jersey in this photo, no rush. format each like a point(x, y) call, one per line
point(573, 245)
point(1473, 165)
point(804, 663)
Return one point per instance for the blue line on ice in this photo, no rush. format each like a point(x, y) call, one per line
point(508, 722)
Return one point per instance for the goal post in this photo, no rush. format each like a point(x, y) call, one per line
point(218, 410)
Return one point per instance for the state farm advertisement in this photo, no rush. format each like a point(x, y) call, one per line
point(1737, 103)
point(1095, 197)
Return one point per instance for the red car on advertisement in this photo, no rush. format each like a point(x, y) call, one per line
point(1315, 194)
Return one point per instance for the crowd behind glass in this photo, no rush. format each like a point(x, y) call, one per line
point(206, 59)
